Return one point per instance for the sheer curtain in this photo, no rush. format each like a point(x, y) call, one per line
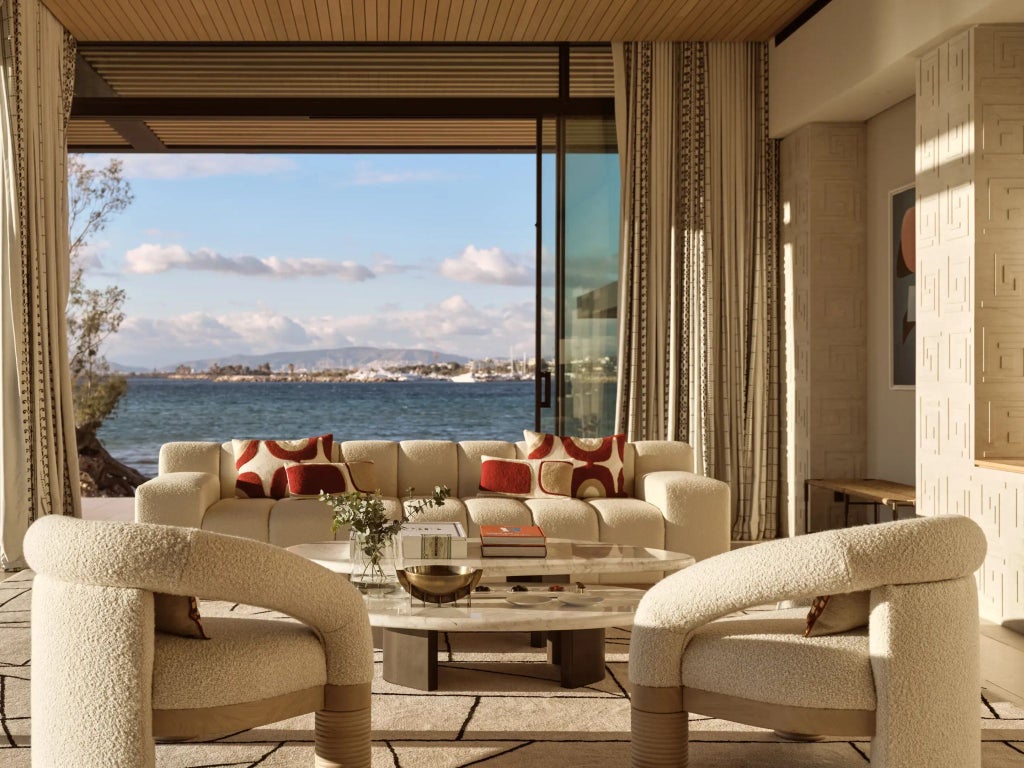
point(39, 467)
point(700, 310)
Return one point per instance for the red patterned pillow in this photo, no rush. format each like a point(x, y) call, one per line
point(522, 478)
point(309, 480)
point(597, 461)
point(261, 463)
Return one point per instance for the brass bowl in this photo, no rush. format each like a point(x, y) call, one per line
point(439, 583)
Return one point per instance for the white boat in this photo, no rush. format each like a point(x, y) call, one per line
point(465, 378)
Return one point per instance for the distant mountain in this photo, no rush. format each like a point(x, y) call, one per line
point(327, 359)
point(118, 368)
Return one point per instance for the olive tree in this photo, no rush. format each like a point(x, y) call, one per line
point(93, 314)
point(95, 195)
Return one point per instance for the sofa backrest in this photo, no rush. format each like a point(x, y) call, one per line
point(421, 464)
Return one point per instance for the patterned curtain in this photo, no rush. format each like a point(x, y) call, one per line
point(39, 467)
point(700, 312)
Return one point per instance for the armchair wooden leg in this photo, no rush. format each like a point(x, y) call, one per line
point(342, 738)
point(660, 729)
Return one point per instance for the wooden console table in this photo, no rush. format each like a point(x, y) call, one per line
point(867, 491)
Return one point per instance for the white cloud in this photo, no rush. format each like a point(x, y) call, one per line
point(175, 166)
point(453, 325)
point(385, 265)
point(149, 258)
point(488, 265)
point(367, 175)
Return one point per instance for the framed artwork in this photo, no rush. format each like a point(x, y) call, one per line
point(902, 282)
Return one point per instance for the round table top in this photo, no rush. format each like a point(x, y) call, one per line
point(491, 611)
point(565, 556)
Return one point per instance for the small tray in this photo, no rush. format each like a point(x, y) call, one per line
point(527, 598)
point(575, 598)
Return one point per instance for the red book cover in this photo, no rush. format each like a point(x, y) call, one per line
point(511, 534)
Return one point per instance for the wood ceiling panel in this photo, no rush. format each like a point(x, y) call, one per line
point(94, 133)
point(404, 135)
point(183, 71)
point(340, 134)
point(423, 20)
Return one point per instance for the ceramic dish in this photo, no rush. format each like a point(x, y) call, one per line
point(575, 598)
point(525, 598)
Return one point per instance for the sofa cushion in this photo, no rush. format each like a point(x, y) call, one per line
point(453, 511)
point(261, 463)
point(598, 462)
point(634, 522)
point(565, 518)
point(495, 510)
point(630, 521)
point(525, 478)
point(469, 453)
point(423, 464)
point(830, 672)
point(299, 521)
point(240, 517)
point(383, 454)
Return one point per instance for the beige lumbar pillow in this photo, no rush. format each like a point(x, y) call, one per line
point(178, 615)
point(832, 614)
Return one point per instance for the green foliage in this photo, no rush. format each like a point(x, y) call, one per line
point(93, 314)
point(367, 515)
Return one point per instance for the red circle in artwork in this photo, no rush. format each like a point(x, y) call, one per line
point(908, 241)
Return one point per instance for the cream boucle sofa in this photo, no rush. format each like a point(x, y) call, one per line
point(668, 506)
point(910, 679)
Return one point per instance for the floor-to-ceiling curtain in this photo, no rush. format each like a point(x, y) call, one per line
point(699, 308)
point(39, 466)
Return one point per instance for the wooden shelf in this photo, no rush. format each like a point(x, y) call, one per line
point(1004, 465)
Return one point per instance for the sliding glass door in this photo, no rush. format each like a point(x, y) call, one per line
point(578, 263)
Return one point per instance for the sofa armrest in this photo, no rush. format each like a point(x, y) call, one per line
point(696, 510)
point(189, 457)
point(178, 498)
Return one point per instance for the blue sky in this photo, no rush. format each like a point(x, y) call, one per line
point(227, 254)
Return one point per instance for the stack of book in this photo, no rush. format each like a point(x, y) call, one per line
point(512, 541)
point(433, 541)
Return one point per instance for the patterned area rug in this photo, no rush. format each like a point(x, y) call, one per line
point(498, 706)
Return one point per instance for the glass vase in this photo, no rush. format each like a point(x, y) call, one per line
point(371, 573)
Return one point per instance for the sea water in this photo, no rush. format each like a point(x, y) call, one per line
point(156, 411)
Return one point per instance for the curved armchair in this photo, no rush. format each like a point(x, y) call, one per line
point(105, 683)
point(909, 680)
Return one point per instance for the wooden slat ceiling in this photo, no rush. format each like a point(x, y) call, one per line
point(204, 52)
point(375, 135)
point(418, 21)
point(262, 72)
point(340, 72)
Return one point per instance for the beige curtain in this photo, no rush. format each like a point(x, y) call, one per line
point(39, 467)
point(699, 313)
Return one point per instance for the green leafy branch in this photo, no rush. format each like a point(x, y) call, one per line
point(367, 515)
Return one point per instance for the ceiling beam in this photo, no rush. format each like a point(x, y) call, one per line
point(145, 108)
point(90, 84)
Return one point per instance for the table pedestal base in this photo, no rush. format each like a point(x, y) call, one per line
point(410, 657)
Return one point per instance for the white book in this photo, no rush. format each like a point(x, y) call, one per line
point(434, 541)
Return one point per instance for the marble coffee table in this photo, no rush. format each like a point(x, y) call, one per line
point(574, 635)
point(565, 556)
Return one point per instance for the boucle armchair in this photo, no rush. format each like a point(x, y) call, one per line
point(909, 680)
point(105, 683)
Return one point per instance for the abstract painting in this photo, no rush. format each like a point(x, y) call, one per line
point(902, 265)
